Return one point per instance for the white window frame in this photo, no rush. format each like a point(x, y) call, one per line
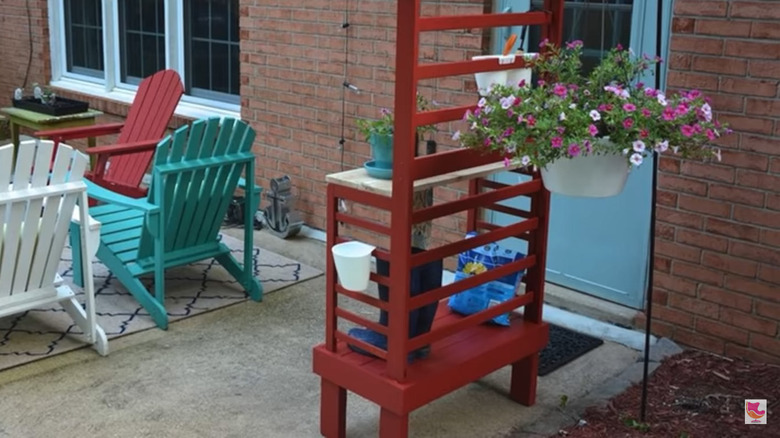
point(110, 86)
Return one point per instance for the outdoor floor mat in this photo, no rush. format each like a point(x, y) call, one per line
point(565, 345)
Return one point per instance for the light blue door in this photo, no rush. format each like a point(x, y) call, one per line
point(598, 246)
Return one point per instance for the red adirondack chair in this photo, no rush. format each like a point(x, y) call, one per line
point(129, 158)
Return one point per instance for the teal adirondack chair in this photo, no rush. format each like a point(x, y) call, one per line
point(194, 175)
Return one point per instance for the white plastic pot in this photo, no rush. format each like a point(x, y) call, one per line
point(502, 77)
point(353, 264)
point(592, 176)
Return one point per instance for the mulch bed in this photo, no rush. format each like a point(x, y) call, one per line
point(692, 394)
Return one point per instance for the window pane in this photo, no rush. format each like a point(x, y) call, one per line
point(211, 52)
point(141, 39)
point(600, 24)
point(84, 37)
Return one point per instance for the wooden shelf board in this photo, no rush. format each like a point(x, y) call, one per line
point(359, 178)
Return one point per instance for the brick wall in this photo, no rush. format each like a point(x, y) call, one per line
point(717, 264)
point(16, 43)
point(293, 68)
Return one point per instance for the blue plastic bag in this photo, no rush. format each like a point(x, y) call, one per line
point(476, 299)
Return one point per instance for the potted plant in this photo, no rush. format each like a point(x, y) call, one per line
point(585, 132)
point(379, 134)
point(45, 100)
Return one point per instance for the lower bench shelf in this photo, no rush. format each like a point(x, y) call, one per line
point(453, 362)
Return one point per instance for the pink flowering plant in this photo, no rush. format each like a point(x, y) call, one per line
point(569, 114)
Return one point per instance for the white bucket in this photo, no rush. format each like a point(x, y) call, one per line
point(486, 79)
point(353, 264)
point(515, 76)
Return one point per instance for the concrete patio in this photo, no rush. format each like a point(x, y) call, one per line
point(245, 371)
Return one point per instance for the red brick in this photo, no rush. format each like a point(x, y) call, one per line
point(749, 87)
point(658, 328)
point(751, 49)
point(771, 238)
point(759, 179)
point(728, 102)
point(745, 160)
point(663, 264)
point(713, 64)
point(734, 28)
point(732, 229)
point(699, 8)
point(677, 251)
point(725, 298)
point(753, 288)
point(682, 184)
point(722, 331)
point(774, 165)
point(669, 165)
point(758, 216)
point(765, 344)
point(763, 107)
point(771, 311)
point(664, 231)
point(697, 273)
point(700, 341)
point(696, 44)
point(688, 80)
point(667, 198)
point(726, 263)
point(756, 9)
point(764, 69)
point(733, 350)
point(676, 217)
point(660, 297)
point(676, 317)
point(766, 145)
point(773, 201)
point(679, 61)
point(702, 240)
point(683, 25)
point(767, 30)
point(748, 321)
point(703, 205)
point(708, 171)
point(674, 284)
point(736, 195)
point(748, 124)
point(769, 274)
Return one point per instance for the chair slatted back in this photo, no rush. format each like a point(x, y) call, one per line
point(152, 109)
point(36, 207)
point(195, 173)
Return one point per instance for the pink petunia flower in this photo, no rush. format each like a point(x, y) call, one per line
point(560, 90)
point(711, 135)
point(687, 130)
point(530, 120)
point(593, 130)
point(630, 107)
point(556, 142)
point(628, 123)
point(507, 162)
point(646, 112)
point(574, 149)
point(668, 114)
point(644, 133)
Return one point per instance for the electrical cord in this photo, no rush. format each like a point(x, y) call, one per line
point(30, 39)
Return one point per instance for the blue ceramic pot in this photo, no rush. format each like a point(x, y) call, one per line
point(382, 150)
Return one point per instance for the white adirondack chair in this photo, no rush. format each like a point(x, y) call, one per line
point(37, 203)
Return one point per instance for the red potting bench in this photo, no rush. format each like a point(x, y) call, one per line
point(463, 348)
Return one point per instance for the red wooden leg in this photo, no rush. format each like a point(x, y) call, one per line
point(523, 386)
point(333, 410)
point(392, 425)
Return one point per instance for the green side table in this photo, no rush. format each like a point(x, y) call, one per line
point(38, 121)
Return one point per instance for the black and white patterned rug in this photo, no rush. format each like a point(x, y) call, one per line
point(190, 290)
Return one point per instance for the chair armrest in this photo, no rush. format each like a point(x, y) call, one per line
point(80, 132)
point(102, 194)
point(105, 152)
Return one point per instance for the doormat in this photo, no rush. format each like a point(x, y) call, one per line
point(565, 345)
point(189, 290)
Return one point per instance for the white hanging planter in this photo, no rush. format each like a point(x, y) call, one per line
point(503, 77)
point(593, 176)
point(353, 264)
